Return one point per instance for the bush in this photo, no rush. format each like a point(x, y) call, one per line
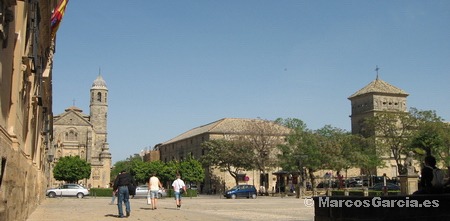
point(100, 192)
point(361, 193)
point(190, 193)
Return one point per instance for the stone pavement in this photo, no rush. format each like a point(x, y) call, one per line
point(204, 207)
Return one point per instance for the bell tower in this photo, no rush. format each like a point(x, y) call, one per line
point(99, 154)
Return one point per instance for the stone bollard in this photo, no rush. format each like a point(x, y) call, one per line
point(346, 192)
point(366, 191)
point(329, 192)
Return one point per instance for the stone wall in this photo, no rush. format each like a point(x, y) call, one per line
point(25, 104)
point(23, 185)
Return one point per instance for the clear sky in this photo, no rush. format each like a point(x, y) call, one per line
point(172, 65)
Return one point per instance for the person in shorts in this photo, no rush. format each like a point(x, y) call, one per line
point(178, 186)
point(153, 186)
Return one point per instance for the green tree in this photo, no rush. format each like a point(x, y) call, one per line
point(125, 165)
point(325, 148)
point(302, 150)
point(71, 169)
point(140, 171)
point(231, 156)
point(192, 170)
point(118, 167)
point(170, 171)
point(392, 132)
point(361, 152)
point(432, 136)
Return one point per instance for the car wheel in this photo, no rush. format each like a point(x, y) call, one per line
point(254, 196)
point(80, 195)
point(233, 196)
point(52, 194)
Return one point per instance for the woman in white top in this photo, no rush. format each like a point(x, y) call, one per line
point(153, 186)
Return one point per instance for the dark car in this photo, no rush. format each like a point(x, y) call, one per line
point(372, 180)
point(390, 186)
point(247, 191)
point(354, 182)
point(327, 184)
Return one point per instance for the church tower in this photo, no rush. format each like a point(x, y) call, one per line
point(100, 155)
point(377, 96)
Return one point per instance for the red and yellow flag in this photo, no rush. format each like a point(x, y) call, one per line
point(57, 16)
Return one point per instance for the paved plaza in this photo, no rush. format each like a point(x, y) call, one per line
point(196, 208)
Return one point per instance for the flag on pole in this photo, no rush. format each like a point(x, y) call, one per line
point(57, 16)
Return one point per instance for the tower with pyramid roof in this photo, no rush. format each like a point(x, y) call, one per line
point(378, 96)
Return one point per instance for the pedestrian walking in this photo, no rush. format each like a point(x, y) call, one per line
point(154, 185)
point(178, 188)
point(121, 183)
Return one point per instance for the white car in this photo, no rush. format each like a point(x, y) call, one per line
point(68, 190)
point(142, 191)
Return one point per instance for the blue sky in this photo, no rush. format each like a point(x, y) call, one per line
point(171, 66)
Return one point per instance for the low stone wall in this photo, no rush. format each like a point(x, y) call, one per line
point(398, 208)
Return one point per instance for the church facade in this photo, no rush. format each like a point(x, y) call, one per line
point(85, 135)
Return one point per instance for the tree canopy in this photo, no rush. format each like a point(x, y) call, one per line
point(71, 169)
point(325, 148)
point(190, 169)
point(231, 156)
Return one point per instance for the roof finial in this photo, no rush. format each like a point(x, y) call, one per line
point(376, 69)
point(73, 102)
point(99, 71)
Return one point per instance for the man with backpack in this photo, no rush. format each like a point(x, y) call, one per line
point(432, 178)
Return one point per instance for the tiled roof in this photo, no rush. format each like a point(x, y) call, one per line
point(224, 126)
point(74, 108)
point(379, 86)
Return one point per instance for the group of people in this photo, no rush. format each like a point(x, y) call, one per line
point(124, 180)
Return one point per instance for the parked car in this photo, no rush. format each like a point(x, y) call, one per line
point(142, 191)
point(372, 180)
point(68, 190)
point(328, 184)
point(191, 186)
point(248, 191)
point(390, 186)
point(354, 182)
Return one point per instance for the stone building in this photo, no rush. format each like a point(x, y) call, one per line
point(26, 55)
point(77, 134)
point(188, 144)
point(378, 96)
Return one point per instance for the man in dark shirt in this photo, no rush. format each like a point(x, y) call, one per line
point(121, 183)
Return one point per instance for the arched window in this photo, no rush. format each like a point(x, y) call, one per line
point(72, 135)
point(99, 97)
